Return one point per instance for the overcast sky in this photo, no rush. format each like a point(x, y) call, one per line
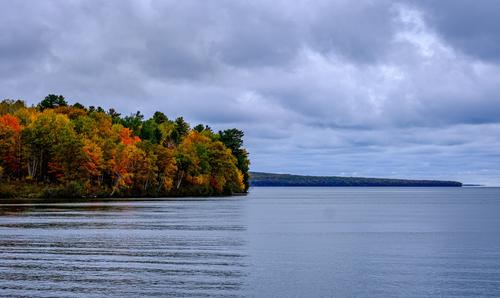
point(407, 89)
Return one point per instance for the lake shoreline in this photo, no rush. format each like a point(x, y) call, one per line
point(291, 180)
point(107, 199)
point(30, 201)
point(16, 192)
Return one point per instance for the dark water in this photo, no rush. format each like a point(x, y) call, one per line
point(276, 242)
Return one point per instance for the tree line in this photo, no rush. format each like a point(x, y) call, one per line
point(57, 149)
point(271, 179)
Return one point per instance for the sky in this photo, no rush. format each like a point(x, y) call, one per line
point(406, 89)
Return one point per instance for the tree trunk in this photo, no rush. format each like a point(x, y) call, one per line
point(181, 175)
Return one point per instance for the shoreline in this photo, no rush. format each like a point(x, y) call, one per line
point(31, 201)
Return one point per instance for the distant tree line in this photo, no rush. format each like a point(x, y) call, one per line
point(57, 149)
point(270, 179)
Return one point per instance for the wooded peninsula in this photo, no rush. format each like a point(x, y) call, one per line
point(270, 179)
point(57, 150)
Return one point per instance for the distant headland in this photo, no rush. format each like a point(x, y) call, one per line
point(269, 179)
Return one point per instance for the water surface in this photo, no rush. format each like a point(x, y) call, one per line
point(279, 242)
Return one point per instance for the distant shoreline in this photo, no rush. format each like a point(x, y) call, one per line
point(259, 179)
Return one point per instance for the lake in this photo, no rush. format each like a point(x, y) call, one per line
point(275, 242)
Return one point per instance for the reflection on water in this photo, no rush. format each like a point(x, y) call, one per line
point(62, 209)
point(122, 248)
point(276, 242)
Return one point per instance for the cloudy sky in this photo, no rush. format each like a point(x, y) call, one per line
point(407, 89)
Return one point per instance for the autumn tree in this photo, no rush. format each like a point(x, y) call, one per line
point(10, 106)
point(51, 147)
point(167, 168)
point(208, 165)
point(10, 145)
point(233, 139)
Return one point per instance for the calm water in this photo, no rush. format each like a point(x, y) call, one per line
point(280, 242)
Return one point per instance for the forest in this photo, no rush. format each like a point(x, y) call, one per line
point(58, 150)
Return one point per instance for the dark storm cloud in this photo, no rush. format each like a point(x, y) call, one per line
point(23, 42)
point(359, 32)
point(374, 88)
point(471, 26)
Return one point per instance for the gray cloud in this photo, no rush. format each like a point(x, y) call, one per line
point(470, 26)
point(385, 88)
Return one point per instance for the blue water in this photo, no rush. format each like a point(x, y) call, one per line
point(276, 242)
